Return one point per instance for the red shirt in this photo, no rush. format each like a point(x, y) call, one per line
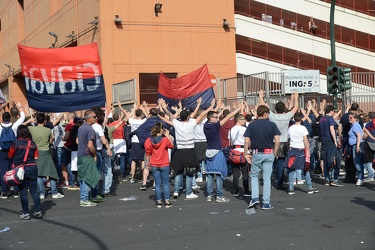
point(158, 150)
point(68, 128)
point(118, 133)
point(224, 130)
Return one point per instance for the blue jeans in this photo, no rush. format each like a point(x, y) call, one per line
point(370, 170)
point(328, 153)
point(99, 162)
point(161, 176)
point(40, 184)
point(279, 164)
point(177, 182)
point(336, 168)
point(189, 184)
point(122, 157)
point(30, 183)
point(219, 185)
point(57, 160)
point(262, 162)
point(84, 190)
point(107, 173)
point(357, 159)
point(292, 176)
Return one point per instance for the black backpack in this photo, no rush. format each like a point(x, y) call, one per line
point(7, 137)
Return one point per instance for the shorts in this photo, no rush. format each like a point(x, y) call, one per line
point(137, 153)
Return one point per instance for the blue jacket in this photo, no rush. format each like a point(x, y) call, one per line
point(144, 131)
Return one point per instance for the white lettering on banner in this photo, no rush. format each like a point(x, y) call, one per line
point(301, 81)
point(64, 85)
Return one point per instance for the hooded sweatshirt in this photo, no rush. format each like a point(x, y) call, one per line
point(157, 147)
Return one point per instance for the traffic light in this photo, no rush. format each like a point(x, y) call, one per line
point(332, 79)
point(345, 79)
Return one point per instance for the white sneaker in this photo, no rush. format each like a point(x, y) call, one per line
point(175, 195)
point(209, 198)
point(222, 199)
point(359, 182)
point(57, 196)
point(191, 196)
point(369, 179)
point(300, 182)
point(195, 187)
point(199, 179)
point(41, 196)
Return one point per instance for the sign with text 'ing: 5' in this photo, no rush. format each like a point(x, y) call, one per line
point(301, 81)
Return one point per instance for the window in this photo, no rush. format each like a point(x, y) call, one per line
point(242, 7)
point(148, 86)
point(243, 44)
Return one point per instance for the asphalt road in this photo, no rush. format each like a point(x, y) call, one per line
point(335, 218)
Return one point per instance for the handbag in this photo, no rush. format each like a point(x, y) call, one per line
point(237, 157)
point(15, 176)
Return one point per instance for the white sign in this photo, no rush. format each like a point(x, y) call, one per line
point(301, 81)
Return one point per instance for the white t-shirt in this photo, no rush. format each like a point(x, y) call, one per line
point(296, 134)
point(282, 123)
point(98, 132)
point(184, 133)
point(199, 135)
point(235, 135)
point(134, 124)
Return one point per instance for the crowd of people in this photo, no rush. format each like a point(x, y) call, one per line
point(75, 150)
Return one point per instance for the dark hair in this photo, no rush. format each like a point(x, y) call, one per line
point(280, 107)
point(40, 117)
point(23, 132)
point(115, 116)
point(329, 108)
point(298, 116)
point(210, 114)
point(6, 117)
point(249, 117)
point(156, 129)
point(184, 115)
point(154, 112)
point(225, 113)
point(354, 106)
point(262, 109)
point(138, 112)
point(100, 114)
point(371, 115)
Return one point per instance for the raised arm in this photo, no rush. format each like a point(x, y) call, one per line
point(230, 115)
point(295, 100)
point(199, 102)
point(204, 113)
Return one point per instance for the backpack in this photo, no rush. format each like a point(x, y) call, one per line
point(7, 137)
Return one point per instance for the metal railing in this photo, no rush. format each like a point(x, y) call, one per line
point(248, 86)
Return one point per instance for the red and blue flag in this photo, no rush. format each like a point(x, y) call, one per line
point(63, 79)
point(187, 89)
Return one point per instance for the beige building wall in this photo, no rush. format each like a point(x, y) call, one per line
point(184, 36)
